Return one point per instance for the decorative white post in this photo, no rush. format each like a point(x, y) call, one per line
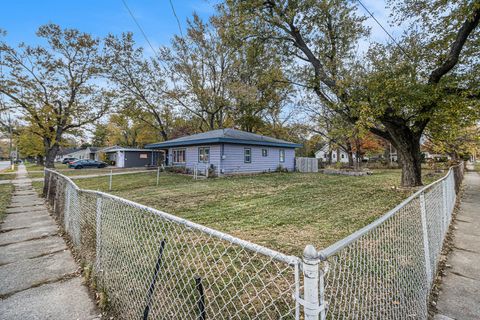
point(312, 278)
point(158, 175)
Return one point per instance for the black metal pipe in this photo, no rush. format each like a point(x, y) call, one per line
point(154, 280)
point(201, 300)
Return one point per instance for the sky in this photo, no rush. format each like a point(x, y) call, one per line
point(21, 18)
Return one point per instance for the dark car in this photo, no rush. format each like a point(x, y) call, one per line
point(68, 160)
point(80, 164)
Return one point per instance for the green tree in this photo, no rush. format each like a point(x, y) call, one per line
point(52, 86)
point(30, 144)
point(321, 38)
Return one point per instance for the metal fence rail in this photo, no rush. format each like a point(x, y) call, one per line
point(153, 265)
point(386, 269)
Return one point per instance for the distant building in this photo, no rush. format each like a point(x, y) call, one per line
point(122, 157)
point(86, 153)
point(338, 154)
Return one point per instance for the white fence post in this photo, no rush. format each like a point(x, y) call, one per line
point(426, 245)
point(312, 277)
point(444, 204)
point(110, 182)
point(158, 175)
point(66, 217)
point(98, 231)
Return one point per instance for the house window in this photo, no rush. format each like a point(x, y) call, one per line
point(264, 152)
point(334, 156)
point(325, 156)
point(343, 156)
point(178, 155)
point(282, 155)
point(143, 156)
point(247, 155)
point(203, 154)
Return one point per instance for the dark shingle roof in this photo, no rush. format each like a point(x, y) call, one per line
point(225, 136)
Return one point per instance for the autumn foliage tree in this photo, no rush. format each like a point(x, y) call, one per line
point(52, 85)
point(395, 94)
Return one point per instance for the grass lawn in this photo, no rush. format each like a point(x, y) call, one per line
point(5, 196)
point(7, 176)
point(283, 211)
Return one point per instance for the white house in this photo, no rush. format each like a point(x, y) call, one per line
point(338, 155)
point(87, 153)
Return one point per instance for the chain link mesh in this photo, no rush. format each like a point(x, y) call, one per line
point(387, 269)
point(151, 263)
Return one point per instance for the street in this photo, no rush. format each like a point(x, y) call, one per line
point(4, 165)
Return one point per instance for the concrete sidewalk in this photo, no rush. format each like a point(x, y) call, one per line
point(39, 278)
point(460, 289)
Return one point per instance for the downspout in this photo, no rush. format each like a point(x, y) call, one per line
point(222, 153)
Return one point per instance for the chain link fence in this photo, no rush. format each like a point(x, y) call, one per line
point(386, 270)
point(153, 265)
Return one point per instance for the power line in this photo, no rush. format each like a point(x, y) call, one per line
point(139, 27)
point(176, 17)
point(385, 30)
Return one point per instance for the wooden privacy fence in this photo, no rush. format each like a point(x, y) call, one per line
point(306, 164)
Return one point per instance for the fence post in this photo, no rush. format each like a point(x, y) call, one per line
point(444, 204)
point(98, 233)
point(110, 182)
point(426, 246)
point(49, 184)
point(158, 174)
point(66, 216)
point(312, 277)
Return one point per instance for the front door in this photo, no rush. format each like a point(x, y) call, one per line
point(120, 159)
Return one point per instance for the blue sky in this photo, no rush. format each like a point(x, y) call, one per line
point(100, 17)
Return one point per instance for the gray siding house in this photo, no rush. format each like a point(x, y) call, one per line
point(229, 151)
point(131, 157)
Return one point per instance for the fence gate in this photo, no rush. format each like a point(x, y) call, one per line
point(306, 164)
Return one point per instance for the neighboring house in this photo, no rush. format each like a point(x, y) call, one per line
point(86, 153)
point(132, 157)
point(338, 155)
point(436, 157)
point(65, 153)
point(229, 151)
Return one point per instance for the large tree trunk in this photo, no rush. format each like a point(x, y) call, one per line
point(407, 144)
point(50, 154)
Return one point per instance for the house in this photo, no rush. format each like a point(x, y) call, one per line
point(86, 153)
point(131, 157)
point(229, 151)
point(338, 155)
point(65, 153)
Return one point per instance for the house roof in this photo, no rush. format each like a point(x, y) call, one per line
point(224, 136)
point(118, 148)
point(67, 151)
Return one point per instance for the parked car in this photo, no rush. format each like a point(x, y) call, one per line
point(80, 164)
point(68, 160)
